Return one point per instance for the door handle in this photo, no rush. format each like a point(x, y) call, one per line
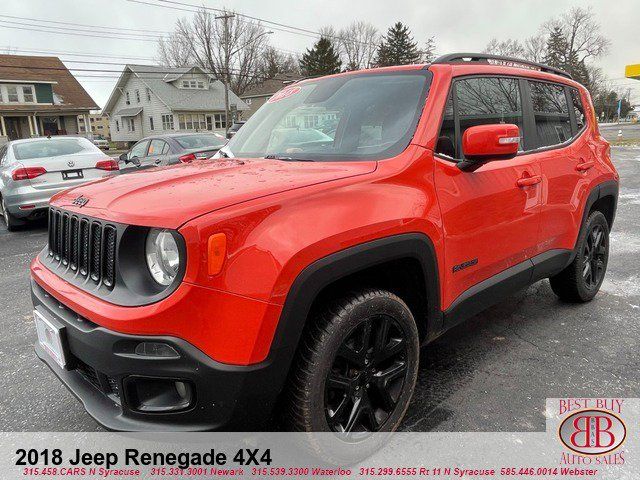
point(529, 181)
point(584, 166)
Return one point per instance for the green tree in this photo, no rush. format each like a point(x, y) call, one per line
point(397, 47)
point(322, 59)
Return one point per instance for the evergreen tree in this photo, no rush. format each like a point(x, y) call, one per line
point(322, 59)
point(397, 47)
point(429, 52)
point(556, 48)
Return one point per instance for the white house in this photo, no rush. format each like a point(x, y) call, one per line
point(152, 100)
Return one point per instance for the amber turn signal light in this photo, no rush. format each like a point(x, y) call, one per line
point(217, 250)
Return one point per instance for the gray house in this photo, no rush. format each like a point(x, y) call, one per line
point(151, 100)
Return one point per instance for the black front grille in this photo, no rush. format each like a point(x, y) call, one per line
point(100, 381)
point(85, 246)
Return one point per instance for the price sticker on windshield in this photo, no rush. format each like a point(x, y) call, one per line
point(284, 93)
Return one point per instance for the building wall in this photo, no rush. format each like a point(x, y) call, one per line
point(254, 104)
point(99, 125)
point(154, 108)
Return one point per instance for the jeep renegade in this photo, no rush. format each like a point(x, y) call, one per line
point(351, 220)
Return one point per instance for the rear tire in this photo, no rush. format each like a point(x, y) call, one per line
point(356, 368)
point(10, 221)
point(580, 281)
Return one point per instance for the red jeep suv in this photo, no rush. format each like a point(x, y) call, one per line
point(352, 219)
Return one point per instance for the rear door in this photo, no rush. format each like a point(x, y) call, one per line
point(157, 152)
point(490, 222)
point(566, 161)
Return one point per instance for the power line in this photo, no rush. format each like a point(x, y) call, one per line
point(82, 24)
point(111, 37)
point(74, 54)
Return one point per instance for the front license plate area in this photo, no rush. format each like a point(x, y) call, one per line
point(72, 175)
point(50, 338)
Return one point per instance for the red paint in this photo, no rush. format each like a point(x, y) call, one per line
point(279, 217)
point(488, 140)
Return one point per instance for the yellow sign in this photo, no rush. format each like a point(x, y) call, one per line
point(632, 71)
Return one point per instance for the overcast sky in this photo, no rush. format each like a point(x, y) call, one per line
point(457, 25)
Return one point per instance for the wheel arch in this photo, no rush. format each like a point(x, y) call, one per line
point(331, 273)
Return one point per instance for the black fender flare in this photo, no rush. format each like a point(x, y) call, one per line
point(323, 272)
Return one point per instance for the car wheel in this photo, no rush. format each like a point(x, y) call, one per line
point(10, 221)
point(581, 280)
point(356, 368)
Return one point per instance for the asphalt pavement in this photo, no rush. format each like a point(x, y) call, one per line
point(491, 374)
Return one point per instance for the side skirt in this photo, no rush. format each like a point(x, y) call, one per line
point(495, 289)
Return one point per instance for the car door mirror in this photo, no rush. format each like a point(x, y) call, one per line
point(124, 157)
point(135, 160)
point(486, 143)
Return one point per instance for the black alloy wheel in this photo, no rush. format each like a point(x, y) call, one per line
point(367, 376)
point(594, 256)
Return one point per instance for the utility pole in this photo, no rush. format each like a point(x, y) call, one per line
point(227, 78)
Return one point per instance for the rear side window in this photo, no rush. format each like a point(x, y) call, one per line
point(157, 147)
point(578, 109)
point(479, 101)
point(52, 147)
point(551, 113)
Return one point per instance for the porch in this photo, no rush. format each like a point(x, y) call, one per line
point(18, 125)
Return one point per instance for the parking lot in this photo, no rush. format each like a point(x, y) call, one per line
point(491, 374)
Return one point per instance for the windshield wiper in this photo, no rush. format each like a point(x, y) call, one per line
point(286, 159)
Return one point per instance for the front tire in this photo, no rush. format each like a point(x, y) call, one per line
point(581, 280)
point(357, 367)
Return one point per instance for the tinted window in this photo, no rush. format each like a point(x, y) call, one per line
point(200, 141)
point(52, 147)
point(338, 118)
point(480, 101)
point(578, 108)
point(139, 149)
point(551, 112)
point(156, 147)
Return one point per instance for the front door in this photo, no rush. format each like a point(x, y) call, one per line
point(490, 218)
point(13, 128)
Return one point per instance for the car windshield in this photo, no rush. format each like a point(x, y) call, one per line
point(52, 147)
point(200, 141)
point(349, 117)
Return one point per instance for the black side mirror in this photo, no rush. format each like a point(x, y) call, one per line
point(135, 160)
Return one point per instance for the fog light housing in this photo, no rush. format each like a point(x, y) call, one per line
point(159, 395)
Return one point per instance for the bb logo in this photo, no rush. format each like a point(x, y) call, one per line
point(592, 432)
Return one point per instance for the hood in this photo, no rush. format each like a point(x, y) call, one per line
point(170, 196)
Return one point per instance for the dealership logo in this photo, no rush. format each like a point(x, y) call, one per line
point(284, 93)
point(592, 432)
point(80, 201)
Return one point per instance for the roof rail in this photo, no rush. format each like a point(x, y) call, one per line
point(485, 57)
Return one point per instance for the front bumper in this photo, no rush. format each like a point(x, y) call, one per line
point(103, 361)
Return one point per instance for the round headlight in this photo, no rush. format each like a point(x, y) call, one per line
point(163, 256)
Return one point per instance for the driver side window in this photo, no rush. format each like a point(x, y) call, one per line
point(139, 150)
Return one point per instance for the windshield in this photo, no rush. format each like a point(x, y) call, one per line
point(200, 141)
point(52, 147)
point(350, 117)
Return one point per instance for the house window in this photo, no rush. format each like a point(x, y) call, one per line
point(127, 97)
point(137, 96)
point(27, 94)
point(151, 123)
point(185, 84)
point(167, 122)
point(200, 84)
point(117, 126)
point(247, 101)
point(131, 126)
point(219, 120)
point(12, 93)
point(148, 95)
point(192, 121)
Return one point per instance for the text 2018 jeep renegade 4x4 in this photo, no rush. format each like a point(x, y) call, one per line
point(353, 218)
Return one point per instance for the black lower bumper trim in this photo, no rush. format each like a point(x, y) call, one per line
point(226, 396)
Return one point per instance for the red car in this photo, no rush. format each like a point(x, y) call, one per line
point(301, 273)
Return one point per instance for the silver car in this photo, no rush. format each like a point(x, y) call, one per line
point(35, 169)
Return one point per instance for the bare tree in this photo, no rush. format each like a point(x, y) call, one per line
point(276, 63)
point(508, 48)
point(582, 34)
point(535, 48)
point(202, 41)
point(357, 45)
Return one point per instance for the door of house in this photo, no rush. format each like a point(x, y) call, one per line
point(13, 128)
